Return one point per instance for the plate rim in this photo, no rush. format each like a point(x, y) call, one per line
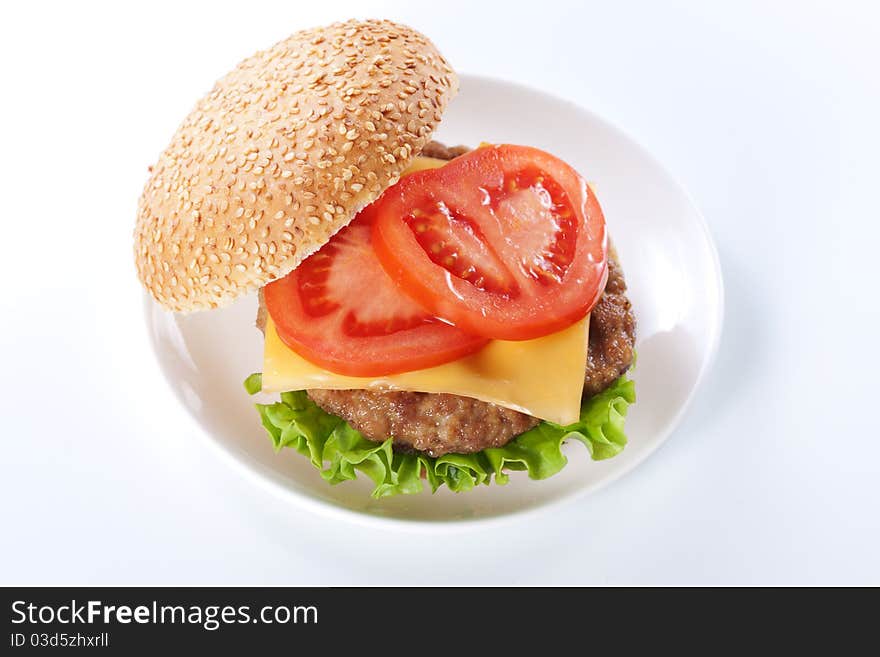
point(272, 482)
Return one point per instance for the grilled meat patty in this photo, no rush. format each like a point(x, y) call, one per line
point(427, 422)
point(440, 424)
point(612, 333)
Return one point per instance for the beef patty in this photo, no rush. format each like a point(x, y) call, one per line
point(439, 424)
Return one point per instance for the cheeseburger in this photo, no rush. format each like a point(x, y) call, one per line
point(432, 316)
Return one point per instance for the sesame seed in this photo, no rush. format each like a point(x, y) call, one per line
point(263, 143)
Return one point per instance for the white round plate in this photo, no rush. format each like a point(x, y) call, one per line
point(674, 283)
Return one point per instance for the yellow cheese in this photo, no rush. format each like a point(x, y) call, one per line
point(420, 162)
point(543, 377)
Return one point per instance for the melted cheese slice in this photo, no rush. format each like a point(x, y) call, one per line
point(420, 163)
point(542, 377)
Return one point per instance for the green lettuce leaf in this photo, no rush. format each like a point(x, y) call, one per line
point(339, 452)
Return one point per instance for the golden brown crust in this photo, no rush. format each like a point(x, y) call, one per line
point(281, 154)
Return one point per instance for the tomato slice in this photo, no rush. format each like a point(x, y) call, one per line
point(507, 242)
point(340, 310)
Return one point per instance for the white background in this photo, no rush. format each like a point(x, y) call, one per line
point(767, 112)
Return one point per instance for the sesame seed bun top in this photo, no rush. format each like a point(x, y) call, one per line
point(281, 154)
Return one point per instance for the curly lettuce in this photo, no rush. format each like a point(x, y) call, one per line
point(339, 452)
